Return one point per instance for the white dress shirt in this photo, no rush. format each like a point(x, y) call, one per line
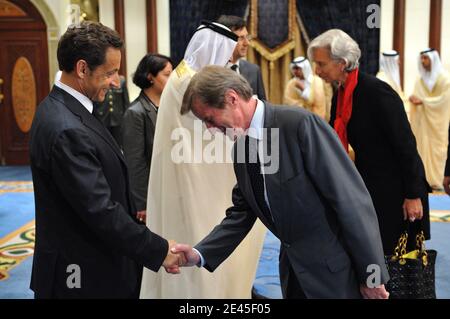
point(83, 99)
point(229, 65)
point(256, 131)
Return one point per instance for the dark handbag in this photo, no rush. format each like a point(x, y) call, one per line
point(412, 274)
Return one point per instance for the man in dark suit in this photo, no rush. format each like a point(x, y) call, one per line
point(251, 72)
point(88, 243)
point(446, 182)
point(111, 111)
point(307, 192)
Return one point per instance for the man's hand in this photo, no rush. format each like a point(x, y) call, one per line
point(190, 255)
point(412, 209)
point(173, 261)
point(374, 293)
point(141, 216)
point(446, 184)
point(415, 100)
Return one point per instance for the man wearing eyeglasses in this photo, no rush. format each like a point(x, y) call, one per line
point(251, 72)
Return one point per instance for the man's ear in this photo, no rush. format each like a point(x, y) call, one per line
point(231, 97)
point(81, 68)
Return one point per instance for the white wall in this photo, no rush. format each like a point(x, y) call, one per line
point(416, 38)
point(416, 34)
point(136, 40)
point(60, 11)
point(387, 25)
point(163, 20)
point(445, 35)
point(106, 12)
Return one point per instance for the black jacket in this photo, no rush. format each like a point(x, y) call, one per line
point(84, 209)
point(386, 156)
point(138, 131)
point(252, 73)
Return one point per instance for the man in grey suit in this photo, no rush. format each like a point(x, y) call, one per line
point(251, 72)
point(307, 192)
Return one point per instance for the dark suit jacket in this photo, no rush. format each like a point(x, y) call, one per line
point(84, 209)
point(447, 164)
point(138, 131)
point(323, 214)
point(386, 157)
point(252, 73)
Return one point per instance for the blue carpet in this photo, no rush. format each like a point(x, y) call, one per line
point(440, 202)
point(17, 209)
point(440, 242)
point(17, 286)
point(15, 173)
point(267, 282)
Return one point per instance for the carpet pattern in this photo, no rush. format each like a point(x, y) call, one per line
point(17, 234)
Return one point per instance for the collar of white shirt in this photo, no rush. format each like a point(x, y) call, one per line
point(256, 128)
point(229, 65)
point(83, 99)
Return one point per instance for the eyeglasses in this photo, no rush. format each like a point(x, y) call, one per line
point(247, 37)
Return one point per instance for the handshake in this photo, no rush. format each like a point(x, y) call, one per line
point(180, 255)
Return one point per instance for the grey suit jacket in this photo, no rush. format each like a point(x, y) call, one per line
point(252, 73)
point(138, 131)
point(322, 211)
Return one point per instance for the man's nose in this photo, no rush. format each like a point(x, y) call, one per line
point(116, 81)
point(318, 71)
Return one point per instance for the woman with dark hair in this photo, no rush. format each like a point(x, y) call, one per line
point(139, 124)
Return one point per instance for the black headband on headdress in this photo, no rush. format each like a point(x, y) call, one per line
point(390, 54)
point(209, 25)
point(428, 50)
point(295, 62)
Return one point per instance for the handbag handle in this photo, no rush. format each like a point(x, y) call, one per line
point(400, 249)
point(420, 244)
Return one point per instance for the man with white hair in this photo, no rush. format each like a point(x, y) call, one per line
point(305, 89)
point(188, 190)
point(389, 72)
point(430, 115)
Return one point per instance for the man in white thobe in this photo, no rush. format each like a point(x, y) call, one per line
point(430, 115)
point(191, 180)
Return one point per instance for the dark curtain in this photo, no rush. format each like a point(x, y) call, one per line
point(273, 26)
point(350, 16)
point(185, 17)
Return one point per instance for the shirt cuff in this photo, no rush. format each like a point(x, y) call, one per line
point(202, 260)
